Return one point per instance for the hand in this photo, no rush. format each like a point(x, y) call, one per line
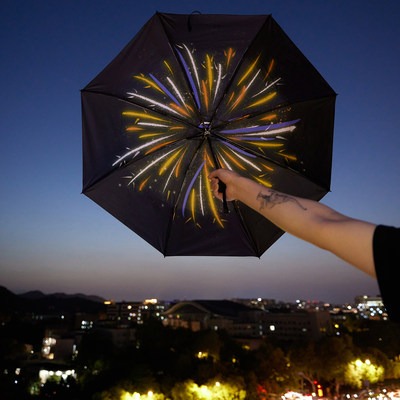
point(229, 178)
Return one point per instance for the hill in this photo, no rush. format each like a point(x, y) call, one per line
point(52, 304)
point(36, 294)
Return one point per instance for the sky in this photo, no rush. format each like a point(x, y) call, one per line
point(54, 239)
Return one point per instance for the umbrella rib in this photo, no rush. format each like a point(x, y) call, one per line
point(246, 229)
point(127, 164)
point(226, 140)
point(236, 208)
point(235, 72)
point(158, 112)
point(170, 222)
point(179, 62)
point(288, 103)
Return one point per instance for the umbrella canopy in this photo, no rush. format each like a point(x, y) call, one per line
point(191, 93)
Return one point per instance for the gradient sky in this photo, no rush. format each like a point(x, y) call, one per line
point(53, 238)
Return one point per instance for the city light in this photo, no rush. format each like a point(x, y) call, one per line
point(202, 354)
point(190, 390)
point(291, 395)
point(150, 395)
point(359, 371)
point(45, 374)
point(382, 394)
point(150, 301)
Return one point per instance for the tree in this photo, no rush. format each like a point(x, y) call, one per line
point(304, 360)
point(357, 372)
point(333, 355)
point(273, 369)
point(189, 390)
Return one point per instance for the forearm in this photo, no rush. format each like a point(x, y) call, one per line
point(349, 239)
point(290, 213)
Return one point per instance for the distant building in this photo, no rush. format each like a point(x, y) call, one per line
point(119, 337)
point(258, 302)
point(241, 321)
point(294, 325)
point(58, 346)
point(236, 318)
point(135, 312)
point(86, 321)
point(370, 307)
point(124, 311)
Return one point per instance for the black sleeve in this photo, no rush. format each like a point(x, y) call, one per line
point(386, 247)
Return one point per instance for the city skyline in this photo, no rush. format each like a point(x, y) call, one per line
point(52, 238)
point(97, 297)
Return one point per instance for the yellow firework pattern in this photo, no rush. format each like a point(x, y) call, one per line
point(168, 126)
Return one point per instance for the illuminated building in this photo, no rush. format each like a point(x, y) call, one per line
point(258, 302)
point(298, 324)
point(56, 373)
point(86, 321)
point(241, 321)
point(370, 307)
point(56, 346)
point(135, 312)
point(236, 318)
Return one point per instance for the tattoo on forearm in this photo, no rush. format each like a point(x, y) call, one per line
point(269, 200)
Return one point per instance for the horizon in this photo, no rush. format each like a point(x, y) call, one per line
point(187, 299)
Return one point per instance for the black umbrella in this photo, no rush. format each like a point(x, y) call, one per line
point(191, 93)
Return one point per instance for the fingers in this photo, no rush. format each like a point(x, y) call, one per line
point(213, 177)
point(213, 174)
point(229, 178)
point(214, 187)
point(224, 176)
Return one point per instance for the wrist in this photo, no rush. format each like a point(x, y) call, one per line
point(239, 187)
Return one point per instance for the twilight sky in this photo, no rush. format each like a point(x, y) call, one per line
point(53, 238)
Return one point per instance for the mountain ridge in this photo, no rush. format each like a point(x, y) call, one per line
point(37, 294)
point(37, 302)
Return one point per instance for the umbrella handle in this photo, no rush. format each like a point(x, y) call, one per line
point(222, 189)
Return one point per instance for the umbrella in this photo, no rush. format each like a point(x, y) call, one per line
point(191, 93)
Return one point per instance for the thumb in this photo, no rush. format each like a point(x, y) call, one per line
point(213, 174)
